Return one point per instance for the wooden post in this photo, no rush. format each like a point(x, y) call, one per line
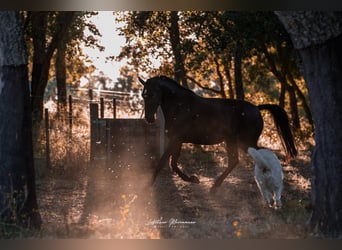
point(94, 115)
point(70, 117)
point(47, 140)
point(94, 111)
point(101, 108)
point(58, 109)
point(90, 94)
point(108, 142)
point(114, 108)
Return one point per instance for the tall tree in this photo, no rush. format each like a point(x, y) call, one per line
point(146, 37)
point(318, 37)
point(69, 51)
point(176, 46)
point(211, 51)
point(240, 94)
point(18, 203)
point(45, 42)
point(155, 34)
point(273, 42)
point(60, 69)
point(217, 48)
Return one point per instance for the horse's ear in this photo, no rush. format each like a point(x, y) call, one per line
point(141, 81)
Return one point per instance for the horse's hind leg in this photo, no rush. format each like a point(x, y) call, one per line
point(233, 158)
point(174, 158)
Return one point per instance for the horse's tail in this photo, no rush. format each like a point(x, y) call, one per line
point(283, 127)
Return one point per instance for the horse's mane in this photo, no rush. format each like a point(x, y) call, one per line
point(174, 84)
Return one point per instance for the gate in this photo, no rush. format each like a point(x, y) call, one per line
point(123, 141)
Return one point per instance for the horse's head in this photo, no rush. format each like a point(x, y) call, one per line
point(152, 98)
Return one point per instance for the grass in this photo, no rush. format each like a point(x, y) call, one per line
point(69, 159)
point(69, 151)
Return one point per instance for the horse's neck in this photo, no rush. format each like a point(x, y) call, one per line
point(174, 91)
point(174, 103)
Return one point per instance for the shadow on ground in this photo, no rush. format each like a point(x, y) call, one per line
point(115, 201)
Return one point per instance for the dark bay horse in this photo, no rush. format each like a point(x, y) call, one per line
point(192, 119)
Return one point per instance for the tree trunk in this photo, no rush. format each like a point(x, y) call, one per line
point(302, 99)
point(226, 65)
point(221, 83)
point(282, 95)
point(43, 54)
point(39, 28)
point(293, 107)
point(284, 86)
point(318, 37)
point(61, 77)
point(37, 96)
point(18, 203)
point(180, 74)
point(240, 94)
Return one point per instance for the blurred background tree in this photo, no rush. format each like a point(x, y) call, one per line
point(54, 38)
point(230, 54)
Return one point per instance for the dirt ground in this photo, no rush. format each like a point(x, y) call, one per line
point(116, 201)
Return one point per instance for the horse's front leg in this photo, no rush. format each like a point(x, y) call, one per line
point(175, 152)
point(233, 159)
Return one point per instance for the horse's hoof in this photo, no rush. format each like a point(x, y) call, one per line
point(194, 179)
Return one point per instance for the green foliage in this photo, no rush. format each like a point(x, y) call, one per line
point(209, 43)
point(77, 34)
point(205, 37)
point(146, 38)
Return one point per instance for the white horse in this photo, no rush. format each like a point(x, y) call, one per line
point(268, 175)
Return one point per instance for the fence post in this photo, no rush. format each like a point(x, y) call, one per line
point(94, 111)
point(47, 140)
point(114, 108)
point(108, 142)
point(90, 94)
point(101, 107)
point(94, 115)
point(70, 117)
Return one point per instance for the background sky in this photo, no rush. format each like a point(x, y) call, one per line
point(105, 22)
